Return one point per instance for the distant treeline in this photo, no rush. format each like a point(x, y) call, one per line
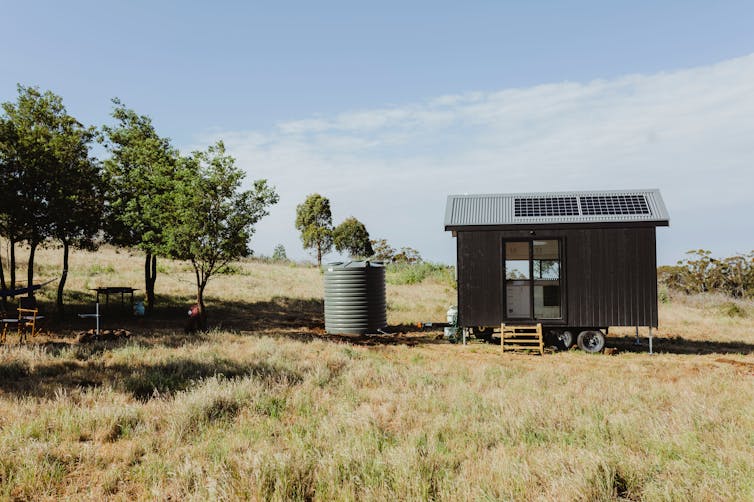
point(701, 273)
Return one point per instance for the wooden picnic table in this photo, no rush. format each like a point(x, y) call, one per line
point(114, 290)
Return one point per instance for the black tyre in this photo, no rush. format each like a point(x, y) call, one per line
point(483, 333)
point(591, 341)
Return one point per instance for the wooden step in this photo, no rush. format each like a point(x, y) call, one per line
point(522, 338)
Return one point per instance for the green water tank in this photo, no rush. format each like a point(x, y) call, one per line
point(355, 297)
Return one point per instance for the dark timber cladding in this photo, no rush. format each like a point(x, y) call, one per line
point(603, 272)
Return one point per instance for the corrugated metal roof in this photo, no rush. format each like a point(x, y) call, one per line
point(538, 208)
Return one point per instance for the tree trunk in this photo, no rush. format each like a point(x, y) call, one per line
point(3, 299)
point(201, 283)
point(2, 274)
point(319, 256)
point(200, 302)
point(150, 277)
point(30, 269)
point(153, 277)
point(12, 265)
point(147, 261)
point(61, 284)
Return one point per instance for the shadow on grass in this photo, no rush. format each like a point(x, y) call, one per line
point(143, 380)
point(673, 345)
point(171, 314)
point(393, 335)
point(277, 313)
point(679, 345)
point(169, 318)
point(302, 320)
point(291, 318)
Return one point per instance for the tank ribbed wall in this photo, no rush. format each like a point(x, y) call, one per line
point(355, 298)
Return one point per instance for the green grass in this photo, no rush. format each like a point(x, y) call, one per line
point(731, 309)
point(97, 269)
point(415, 273)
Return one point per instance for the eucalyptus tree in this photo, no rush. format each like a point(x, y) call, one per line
point(352, 237)
point(213, 219)
point(314, 221)
point(279, 254)
point(140, 180)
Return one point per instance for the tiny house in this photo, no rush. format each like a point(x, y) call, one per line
point(576, 262)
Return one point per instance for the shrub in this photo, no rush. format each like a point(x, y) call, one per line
point(230, 269)
point(279, 254)
point(414, 273)
point(731, 309)
point(97, 269)
point(385, 252)
point(701, 273)
point(663, 295)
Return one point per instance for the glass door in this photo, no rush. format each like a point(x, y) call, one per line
point(532, 279)
point(518, 280)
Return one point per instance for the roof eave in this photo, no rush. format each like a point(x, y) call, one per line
point(558, 226)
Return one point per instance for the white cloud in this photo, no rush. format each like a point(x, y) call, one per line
point(688, 132)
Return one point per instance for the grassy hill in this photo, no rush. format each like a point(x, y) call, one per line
point(267, 406)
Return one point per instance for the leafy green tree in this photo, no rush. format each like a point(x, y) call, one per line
point(30, 124)
point(141, 177)
point(407, 255)
point(701, 273)
point(385, 252)
point(213, 220)
point(314, 221)
point(279, 254)
point(76, 197)
point(382, 250)
point(46, 170)
point(352, 237)
point(739, 275)
point(8, 193)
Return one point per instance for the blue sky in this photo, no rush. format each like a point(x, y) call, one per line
point(386, 107)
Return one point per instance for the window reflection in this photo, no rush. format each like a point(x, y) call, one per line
point(517, 284)
point(546, 267)
point(532, 273)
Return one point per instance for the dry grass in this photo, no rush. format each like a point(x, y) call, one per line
point(274, 409)
point(702, 317)
point(253, 281)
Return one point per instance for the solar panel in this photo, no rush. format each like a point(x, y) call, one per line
point(614, 205)
point(540, 208)
point(546, 206)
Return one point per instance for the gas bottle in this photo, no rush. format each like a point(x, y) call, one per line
point(453, 315)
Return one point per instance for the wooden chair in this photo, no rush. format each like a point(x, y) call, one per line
point(28, 315)
point(6, 321)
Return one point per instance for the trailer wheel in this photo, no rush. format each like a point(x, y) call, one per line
point(591, 341)
point(565, 339)
point(483, 333)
